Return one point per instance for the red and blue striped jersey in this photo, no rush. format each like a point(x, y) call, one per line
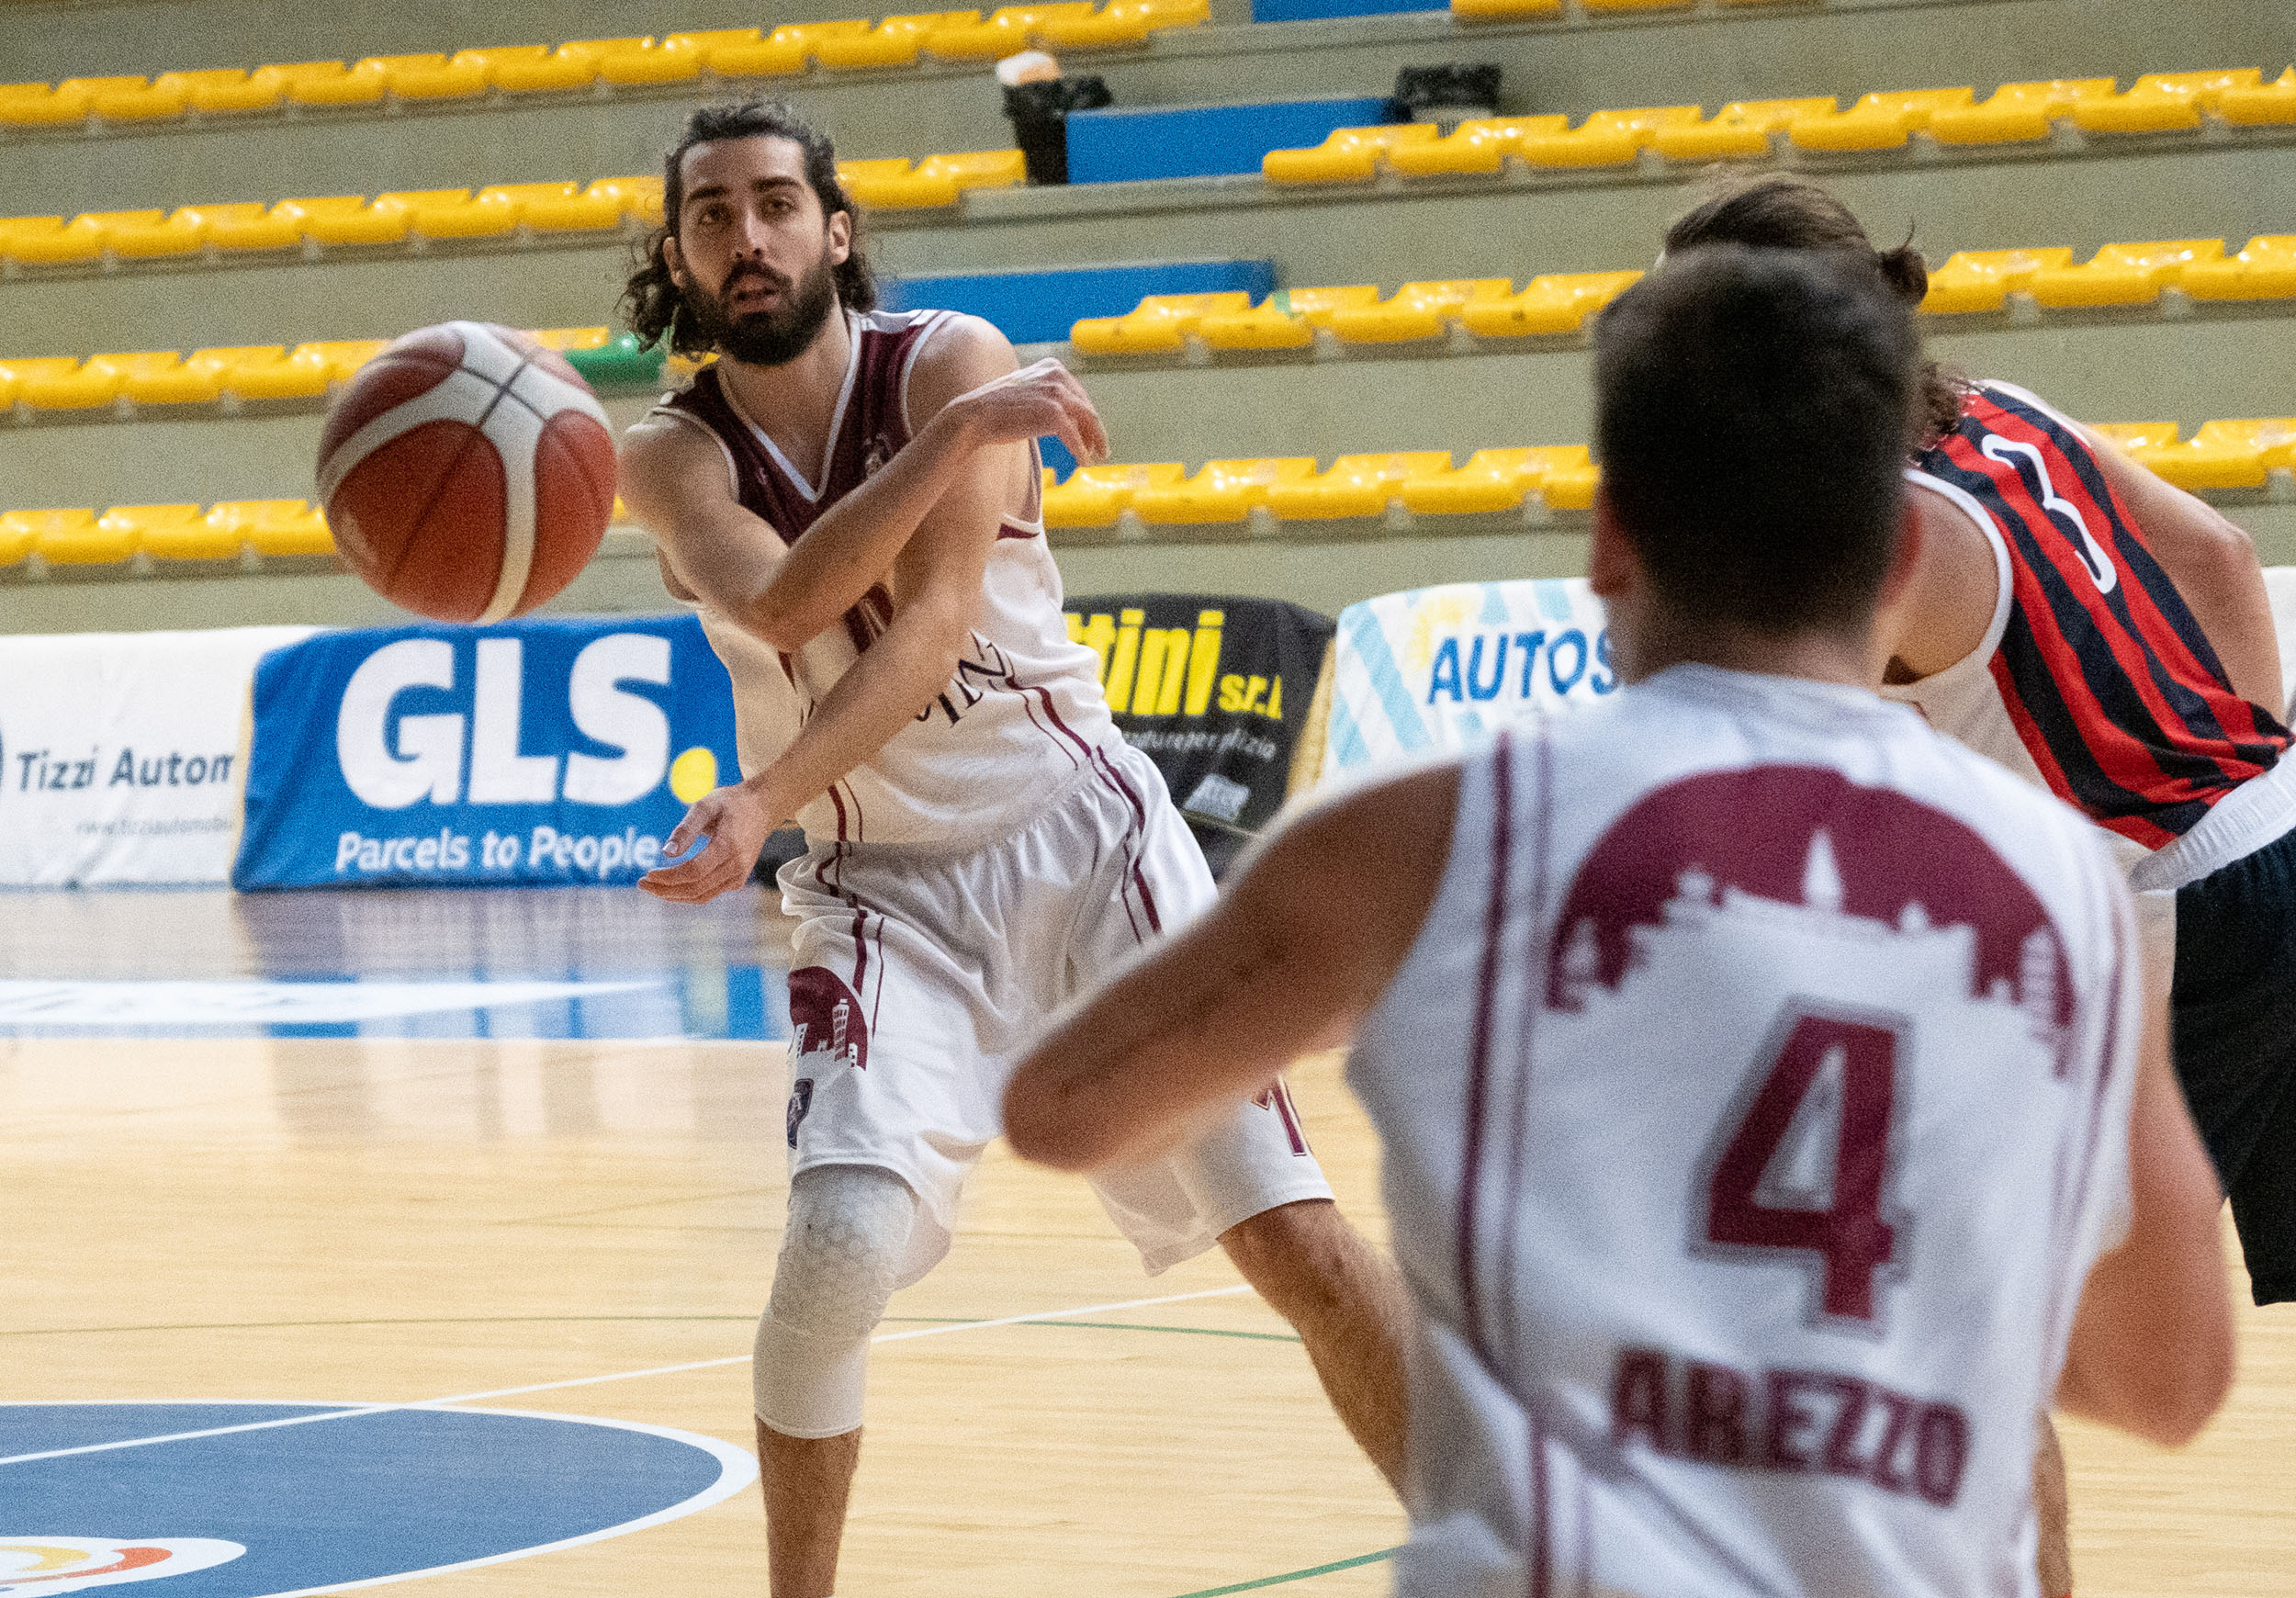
point(2112, 687)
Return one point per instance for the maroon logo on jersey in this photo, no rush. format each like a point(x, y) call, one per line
point(826, 1019)
point(1807, 852)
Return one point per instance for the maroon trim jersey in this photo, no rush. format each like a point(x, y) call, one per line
point(2112, 697)
point(1024, 708)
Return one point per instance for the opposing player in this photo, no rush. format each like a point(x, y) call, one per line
point(2107, 635)
point(850, 497)
point(1758, 1073)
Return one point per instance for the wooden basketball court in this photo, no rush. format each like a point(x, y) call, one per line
point(491, 1202)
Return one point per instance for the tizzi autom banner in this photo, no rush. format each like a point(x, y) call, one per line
point(122, 755)
point(534, 751)
point(1442, 668)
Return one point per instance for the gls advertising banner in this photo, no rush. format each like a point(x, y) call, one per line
point(121, 756)
point(535, 751)
point(1443, 668)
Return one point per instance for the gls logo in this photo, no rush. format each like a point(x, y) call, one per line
point(424, 761)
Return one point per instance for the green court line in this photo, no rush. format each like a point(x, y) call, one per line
point(1294, 1575)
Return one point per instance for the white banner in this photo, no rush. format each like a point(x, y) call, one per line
point(1443, 668)
point(122, 756)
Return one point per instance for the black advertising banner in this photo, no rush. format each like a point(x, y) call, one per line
point(1214, 690)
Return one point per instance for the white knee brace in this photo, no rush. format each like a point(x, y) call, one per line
point(849, 1231)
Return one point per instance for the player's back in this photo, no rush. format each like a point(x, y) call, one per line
point(1753, 1098)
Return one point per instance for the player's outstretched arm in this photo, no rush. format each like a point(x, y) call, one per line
point(2213, 563)
point(2152, 1346)
point(1300, 947)
point(937, 592)
point(965, 382)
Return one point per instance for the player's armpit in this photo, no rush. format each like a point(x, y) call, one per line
point(673, 478)
point(2152, 1345)
point(2213, 563)
point(1300, 947)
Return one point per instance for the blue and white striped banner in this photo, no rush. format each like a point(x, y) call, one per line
point(1443, 668)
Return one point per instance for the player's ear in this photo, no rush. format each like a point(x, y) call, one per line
point(840, 234)
point(674, 259)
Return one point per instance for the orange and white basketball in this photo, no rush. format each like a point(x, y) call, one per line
point(468, 472)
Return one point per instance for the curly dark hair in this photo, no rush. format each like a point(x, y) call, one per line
point(652, 300)
point(1779, 212)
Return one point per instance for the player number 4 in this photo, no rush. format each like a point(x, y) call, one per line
point(1821, 1063)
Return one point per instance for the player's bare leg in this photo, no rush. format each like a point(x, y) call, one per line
point(2054, 1508)
point(806, 1482)
point(1346, 1301)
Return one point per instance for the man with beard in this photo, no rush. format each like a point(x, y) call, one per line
point(850, 497)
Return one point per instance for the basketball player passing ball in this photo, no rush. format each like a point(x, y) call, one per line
point(851, 499)
point(1772, 1122)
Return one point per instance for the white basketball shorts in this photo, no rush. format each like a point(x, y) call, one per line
point(918, 973)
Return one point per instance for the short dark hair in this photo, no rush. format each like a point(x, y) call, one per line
point(1753, 410)
point(1780, 211)
point(650, 301)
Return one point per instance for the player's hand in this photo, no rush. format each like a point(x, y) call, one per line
point(737, 822)
point(1043, 398)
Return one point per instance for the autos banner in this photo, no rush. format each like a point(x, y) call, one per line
point(535, 751)
point(1441, 668)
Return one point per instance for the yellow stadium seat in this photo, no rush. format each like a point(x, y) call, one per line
point(41, 105)
point(249, 225)
point(1346, 154)
point(892, 184)
point(48, 240)
point(2264, 270)
point(1740, 131)
point(2135, 435)
point(678, 58)
point(1500, 480)
point(79, 538)
point(1975, 280)
point(1607, 138)
point(1357, 485)
point(337, 357)
point(1504, 10)
point(1419, 310)
point(222, 90)
point(2016, 113)
point(1878, 121)
point(2262, 105)
point(572, 338)
point(62, 383)
point(822, 41)
point(2273, 438)
point(262, 371)
point(1094, 496)
point(1158, 325)
point(2227, 458)
point(1553, 304)
point(433, 76)
point(976, 168)
point(770, 56)
point(166, 533)
point(344, 219)
point(1122, 22)
point(137, 101)
point(331, 82)
point(1601, 5)
point(142, 234)
point(2122, 273)
point(539, 70)
point(1286, 320)
point(1225, 490)
point(157, 377)
point(452, 213)
point(1478, 144)
point(23, 532)
point(2162, 102)
point(895, 41)
point(556, 207)
point(273, 526)
point(1004, 32)
point(639, 197)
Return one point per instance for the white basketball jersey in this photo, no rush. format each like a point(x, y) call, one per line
point(1754, 1101)
point(1023, 711)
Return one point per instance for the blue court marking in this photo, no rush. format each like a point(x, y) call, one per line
point(368, 1496)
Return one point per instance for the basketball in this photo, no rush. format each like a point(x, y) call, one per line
point(468, 472)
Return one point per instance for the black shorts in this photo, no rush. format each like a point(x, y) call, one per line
point(2232, 1033)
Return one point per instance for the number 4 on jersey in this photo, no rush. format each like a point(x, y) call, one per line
point(1829, 1087)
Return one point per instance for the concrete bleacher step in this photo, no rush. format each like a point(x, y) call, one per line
point(1576, 64)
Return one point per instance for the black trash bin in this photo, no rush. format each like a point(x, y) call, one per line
point(1448, 94)
point(1038, 113)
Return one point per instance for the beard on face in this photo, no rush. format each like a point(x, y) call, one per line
point(773, 336)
